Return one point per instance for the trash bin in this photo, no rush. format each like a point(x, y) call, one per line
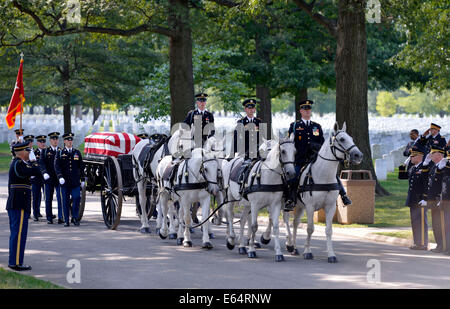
point(360, 188)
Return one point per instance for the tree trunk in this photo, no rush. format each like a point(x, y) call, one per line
point(66, 98)
point(302, 94)
point(96, 110)
point(351, 79)
point(78, 111)
point(265, 108)
point(180, 58)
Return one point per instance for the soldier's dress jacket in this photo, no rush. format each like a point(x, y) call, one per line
point(39, 180)
point(70, 166)
point(306, 138)
point(429, 141)
point(434, 183)
point(206, 116)
point(446, 183)
point(19, 184)
point(418, 181)
point(245, 121)
point(47, 164)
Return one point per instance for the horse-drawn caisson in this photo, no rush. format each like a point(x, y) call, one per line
point(167, 172)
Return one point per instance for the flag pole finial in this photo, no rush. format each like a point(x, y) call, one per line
point(21, 55)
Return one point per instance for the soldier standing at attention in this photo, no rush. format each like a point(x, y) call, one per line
point(19, 203)
point(308, 138)
point(69, 168)
point(418, 177)
point(37, 182)
point(51, 183)
point(432, 195)
point(445, 200)
point(19, 138)
point(201, 114)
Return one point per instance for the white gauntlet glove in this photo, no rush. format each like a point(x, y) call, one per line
point(423, 203)
point(61, 181)
point(32, 156)
point(82, 184)
point(46, 176)
point(442, 163)
point(427, 159)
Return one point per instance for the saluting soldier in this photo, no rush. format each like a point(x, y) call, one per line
point(37, 182)
point(432, 137)
point(51, 183)
point(445, 200)
point(69, 168)
point(432, 195)
point(418, 178)
point(201, 114)
point(18, 204)
point(308, 138)
point(246, 133)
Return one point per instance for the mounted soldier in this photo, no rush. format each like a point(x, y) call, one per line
point(308, 137)
point(203, 116)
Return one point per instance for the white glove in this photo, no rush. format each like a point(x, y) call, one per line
point(32, 156)
point(427, 159)
point(46, 176)
point(21, 138)
point(442, 163)
point(423, 203)
point(438, 204)
point(407, 161)
point(61, 181)
point(82, 184)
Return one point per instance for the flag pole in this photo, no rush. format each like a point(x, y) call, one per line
point(21, 103)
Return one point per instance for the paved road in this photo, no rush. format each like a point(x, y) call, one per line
point(126, 259)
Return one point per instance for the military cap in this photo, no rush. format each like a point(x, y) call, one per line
point(436, 148)
point(249, 103)
point(29, 138)
point(68, 136)
point(435, 126)
point(41, 138)
point(19, 131)
point(417, 149)
point(54, 135)
point(201, 96)
point(143, 135)
point(21, 146)
point(306, 104)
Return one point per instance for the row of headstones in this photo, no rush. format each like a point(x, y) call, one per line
point(388, 162)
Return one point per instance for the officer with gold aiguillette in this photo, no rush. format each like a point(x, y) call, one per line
point(22, 168)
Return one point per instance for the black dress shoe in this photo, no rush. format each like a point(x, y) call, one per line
point(416, 247)
point(39, 216)
point(76, 222)
point(72, 220)
point(20, 267)
point(346, 200)
point(436, 250)
point(67, 224)
point(50, 221)
point(35, 219)
point(60, 221)
point(53, 216)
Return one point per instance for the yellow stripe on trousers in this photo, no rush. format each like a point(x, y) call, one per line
point(20, 235)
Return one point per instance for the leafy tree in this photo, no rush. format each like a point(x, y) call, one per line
point(386, 104)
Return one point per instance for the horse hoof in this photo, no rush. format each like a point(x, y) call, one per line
point(180, 241)
point(252, 255)
point(257, 245)
point(264, 241)
point(162, 236)
point(295, 252)
point(230, 246)
point(188, 244)
point(173, 236)
point(211, 235)
point(207, 245)
point(279, 258)
point(242, 250)
point(308, 256)
point(290, 248)
point(145, 230)
point(332, 259)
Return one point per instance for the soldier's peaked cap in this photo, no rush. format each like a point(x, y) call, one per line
point(68, 136)
point(436, 148)
point(249, 103)
point(306, 104)
point(435, 126)
point(41, 137)
point(18, 131)
point(54, 135)
point(21, 146)
point(418, 149)
point(201, 95)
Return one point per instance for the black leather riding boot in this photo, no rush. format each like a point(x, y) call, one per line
point(345, 199)
point(291, 196)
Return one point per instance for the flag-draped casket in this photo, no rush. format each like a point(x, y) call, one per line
point(109, 143)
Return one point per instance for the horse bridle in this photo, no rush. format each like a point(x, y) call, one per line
point(334, 148)
point(282, 163)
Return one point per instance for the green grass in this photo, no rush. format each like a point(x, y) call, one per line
point(5, 157)
point(406, 235)
point(13, 280)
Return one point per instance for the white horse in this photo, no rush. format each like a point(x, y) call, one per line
point(322, 172)
point(145, 174)
point(264, 187)
point(195, 180)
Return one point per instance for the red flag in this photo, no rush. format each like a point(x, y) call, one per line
point(17, 99)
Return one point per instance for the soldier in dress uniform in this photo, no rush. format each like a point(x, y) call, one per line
point(432, 137)
point(200, 113)
point(37, 182)
point(69, 168)
point(445, 200)
point(18, 204)
point(19, 138)
point(248, 129)
point(308, 138)
point(51, 183)
point(432, 195)
point(418, 177)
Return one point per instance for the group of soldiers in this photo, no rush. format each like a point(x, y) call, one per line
point(52, 169)
point(429, 188)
